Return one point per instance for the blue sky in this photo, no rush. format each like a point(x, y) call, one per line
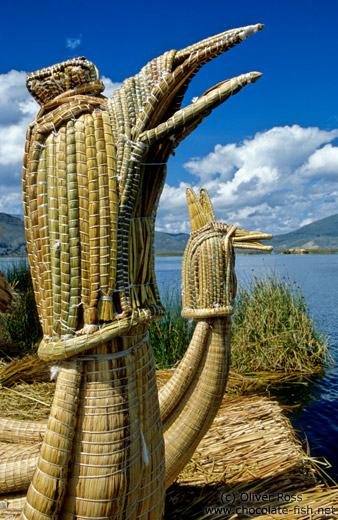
point(268, 156)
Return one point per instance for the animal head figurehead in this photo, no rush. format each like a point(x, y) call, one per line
point(208, 269)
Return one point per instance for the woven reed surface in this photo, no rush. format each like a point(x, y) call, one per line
point(191, 418)
point(249, 448)
point(50, 82)
point(92, 177)
point(208, 276)
point(92, 182)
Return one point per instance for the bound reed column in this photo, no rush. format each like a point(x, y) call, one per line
point(189, 421)
point(152, 486)
point(45, 494)
point(190, 400)
point(117, 464)
point(106, 458)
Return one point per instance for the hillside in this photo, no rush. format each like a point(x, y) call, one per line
point(170, 243)
point(12, 235)
point(322, 234)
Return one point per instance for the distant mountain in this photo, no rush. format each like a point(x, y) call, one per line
point(322, 234)
point(170, 242)
point(13, 241)
point(12, 235)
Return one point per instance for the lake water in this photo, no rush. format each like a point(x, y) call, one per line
point(317, 276)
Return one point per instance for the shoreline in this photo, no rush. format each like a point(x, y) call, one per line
point(293, 251)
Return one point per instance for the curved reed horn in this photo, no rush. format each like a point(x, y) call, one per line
point(205, 202)
point(198, 217)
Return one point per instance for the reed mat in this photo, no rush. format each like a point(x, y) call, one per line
point(250, 462)
point(27, 401)
point(250, 465)
point(31, 369)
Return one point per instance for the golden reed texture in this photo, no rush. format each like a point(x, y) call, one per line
point(93, 173)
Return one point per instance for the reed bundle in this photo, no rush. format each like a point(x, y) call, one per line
point(15, 431)
point(250, 448)
point(17, 467)
point(12, 504)
point(93, 173)
point(29, 368)
point(249, 451)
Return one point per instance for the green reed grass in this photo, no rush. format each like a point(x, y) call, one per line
point(171, 336)
point(272, 329)
point(19, 325)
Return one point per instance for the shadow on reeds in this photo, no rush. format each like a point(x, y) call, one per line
point(293, 501)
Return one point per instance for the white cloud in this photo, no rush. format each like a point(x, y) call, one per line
point(73, 43)
point(110, 86)
point(323, 162)
point(275, 181)
point(15, 100)
point(17, 110)
point(12, 200)
point(173, 212)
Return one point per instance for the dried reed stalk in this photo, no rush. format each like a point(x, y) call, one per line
point(92, 261)
point(15, 431)
point(30, 368)
point(191, 398)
